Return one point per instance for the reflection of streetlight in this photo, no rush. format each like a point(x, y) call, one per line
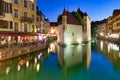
point(18, 67)
point(39, 55)
point(52, 47)
point(27, 64)
point(38, 29)
point(102, 34)
point(38, 67)
point(108, 48)
point(35, 60)
point(7, 70)
point(101, 45)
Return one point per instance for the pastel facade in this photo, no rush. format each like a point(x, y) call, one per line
point(116, 21)
point(17, 20)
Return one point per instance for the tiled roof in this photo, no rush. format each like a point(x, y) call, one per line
point(70, 18)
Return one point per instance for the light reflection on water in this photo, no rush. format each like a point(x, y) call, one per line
point(99, 61)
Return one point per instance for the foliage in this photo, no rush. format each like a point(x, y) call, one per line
point(93, 26)
point(78, 17)
point(59, 18)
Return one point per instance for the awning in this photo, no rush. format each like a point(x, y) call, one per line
point(13, 33)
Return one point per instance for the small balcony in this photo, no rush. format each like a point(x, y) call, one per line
point(27, 19)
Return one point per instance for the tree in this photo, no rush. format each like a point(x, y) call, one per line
point(59, 18)
point(93, 26)
point(78, 17)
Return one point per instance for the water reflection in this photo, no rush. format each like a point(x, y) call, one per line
point(53, 47)
point(21, 68)
point(110, 50)
point(73, 62)
point(101, 45)
point(74, 57)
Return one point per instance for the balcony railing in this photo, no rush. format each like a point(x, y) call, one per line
point(26, 19)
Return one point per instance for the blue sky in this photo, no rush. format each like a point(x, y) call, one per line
point(96, 9)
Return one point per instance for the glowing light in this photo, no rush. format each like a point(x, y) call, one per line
point(108, 48)
point(35, 60)
point(113, 35)
point(38, 29)
point(7, 70)
point(38, 67)
point(48, 50)
point(32, 0)
point(102, 34)
point(40, 37)
point(114, 46)
point(27, 64)
point(52, 47)
point(9, 38)
point(101, 45)
point(39, 56)
point(52, 31)
point(18, 67)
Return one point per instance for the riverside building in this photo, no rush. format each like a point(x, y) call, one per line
point(17, 21)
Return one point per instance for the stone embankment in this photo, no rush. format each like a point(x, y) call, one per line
point(15, 51)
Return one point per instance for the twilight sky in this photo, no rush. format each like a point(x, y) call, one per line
point(96, 9)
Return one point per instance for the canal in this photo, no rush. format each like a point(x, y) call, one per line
point(99, 60)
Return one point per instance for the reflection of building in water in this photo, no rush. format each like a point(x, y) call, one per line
point(74, 56)
point(111, 50)
point(21, 67)
point(53, 47)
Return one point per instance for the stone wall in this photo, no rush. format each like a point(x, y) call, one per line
point(17, 51)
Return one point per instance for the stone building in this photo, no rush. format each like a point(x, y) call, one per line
point(17, 20)
point(74, 27)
